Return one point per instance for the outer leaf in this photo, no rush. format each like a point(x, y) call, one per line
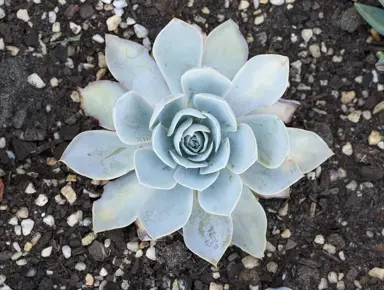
point(165, 110)
point(186, 162)
point(219, 108)
point(161, 144)
point(131, 116)
point(226, 49)
point(181, 116)
point(271, 181)
point(214, 125)
point(308, 150)
point(271, 137)
point(204, 80)
point(98, 98)
point(219, 160)
point(284, 109)
point(249, 225)
point(179, 134)
point(191, 178)
point(207, 235)
point(282, 194)
point(177, 48)
point(243, 149)
point(99, 155)
point(222, 196)
point(260, 82)
point(373, 15)
point(166, 211)
point(130, 63)
point(151, 171)
point(119, 205)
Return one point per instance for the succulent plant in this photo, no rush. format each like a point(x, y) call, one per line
point(373, 15)
point(197, 136)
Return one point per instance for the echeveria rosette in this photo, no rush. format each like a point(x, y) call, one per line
point(200, 131)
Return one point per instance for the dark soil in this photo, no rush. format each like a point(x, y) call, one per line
point(351, 220)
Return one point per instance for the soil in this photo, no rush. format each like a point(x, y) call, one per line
point(345, 204)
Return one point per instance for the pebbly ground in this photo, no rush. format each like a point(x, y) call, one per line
point(329, 235)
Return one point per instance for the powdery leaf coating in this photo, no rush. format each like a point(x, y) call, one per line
point(166, 211)
point(99, 155)
point(192, 178)
point(207, 235)
point(119, 205)
point(249, 225)
point(283, 109)
point(98, 99)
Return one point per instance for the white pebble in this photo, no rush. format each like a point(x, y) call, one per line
point(22, 213)
point(256, 3)
point(377, 273)
point(41, 200)
point(319, 239)
point(98, 38)
point(66, 251)
point(49, 220)
point(27, 226)
point(30, 189)
point(139, 253)
point(13, 221)
point(103, 272)
point(22, 14)
point(277, 2)
point(69, 193)
point(21, 262)
point(340, 285)
point(354, 116)
point(331, 249)
point(113, 22)
point(347, 149)
point(342, 255)
point(307, 34)
point(151, 253)
point(75, 28)
point(120, 4)
point(46, 252)
point(286, 234)
point(2, 13)
point(80, 266)
point(119, 272)
point(243, 5)
point(140, 31)
point(130, 21)
point(250, 262)
point(272, 267)
point(75, 218)
point(214, 286)
point(35, 80)
point(323, 284)
point(52, 16)
point(88, 239)
point(332, 278)
point(2, 142)
point(314, 49)
point(259, 19)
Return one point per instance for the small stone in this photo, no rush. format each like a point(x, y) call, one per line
point(347, 149)
point(151, 253)
point(286, 234)
point(67, 252)
point(75, 218)
point(243, 5)
point(89, 280)
point(377, 273)
point(374, 138)
point(22, 262)
point(49, 220)
point(54, 82)
point(139, 253)
point(354, 116)
point(22, 14)
point(378, 108)
point(36, 81)
point(22, 213)
point(103, 272)
point(133, 246)
point(350, 20)
point(277, 2)
point(86, 11)
point(80, 266)
point(381, 145)
point(250, 262)
point(113, 22)
point(323, 284)
point(331, 249)
point(367, 115)
point(205, 10)
point(75, 97)
point(283, 211)
point(307, 34)
point(97, 251)
point(140, 31)
point(98, 38)
point(2, 13)
point(340, 285)
point(259, 19)
point(272, 267)
point(13, 221)
point(27, 226)
point(332, 277)
point(75, 28)
point(130, 21)
point(13, 50)
point(41, 200)
point(69, 193)
point(347, 97)
point(2, 142)
point(314, 49)
point(46, 252)
point(88, 239)
point(214, 286)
